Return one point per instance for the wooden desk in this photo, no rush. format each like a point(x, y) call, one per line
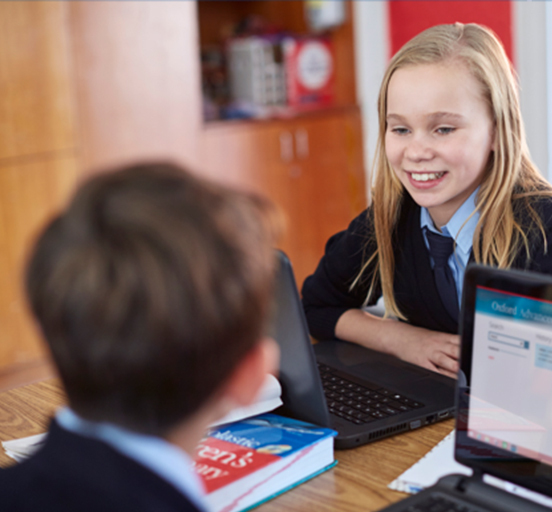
point(358, 482)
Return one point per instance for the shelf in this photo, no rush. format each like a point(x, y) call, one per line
point(217, 22)
point(319, 113)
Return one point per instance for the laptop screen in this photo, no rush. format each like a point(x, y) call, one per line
point(302, 391)
point(505, 392)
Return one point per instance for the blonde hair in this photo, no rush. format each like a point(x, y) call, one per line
point(511, 180)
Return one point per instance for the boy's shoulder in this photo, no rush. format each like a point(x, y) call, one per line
point(71, 472)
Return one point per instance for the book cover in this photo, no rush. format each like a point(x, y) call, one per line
point(243, 464)
point(310, 71)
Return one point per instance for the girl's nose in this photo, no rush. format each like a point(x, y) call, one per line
point(418, 149)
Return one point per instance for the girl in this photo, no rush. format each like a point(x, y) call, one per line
point(452, 168)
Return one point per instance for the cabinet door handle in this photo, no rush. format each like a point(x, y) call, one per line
point(302, 143)
point(286, 147)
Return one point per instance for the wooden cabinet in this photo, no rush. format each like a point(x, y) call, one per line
point(30, 192)
point(138, 89)
point(90, 85)
point(36, 97)
point(38, 152)
point(310, 166)
point(330, 186)
point(217, 18)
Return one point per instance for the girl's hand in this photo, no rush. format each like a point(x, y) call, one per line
point(437, 351)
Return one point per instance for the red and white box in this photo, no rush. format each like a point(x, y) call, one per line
point(310, 71)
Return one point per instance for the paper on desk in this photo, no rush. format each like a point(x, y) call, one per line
point(438, 462)
point(20, 449)
point(269, 399)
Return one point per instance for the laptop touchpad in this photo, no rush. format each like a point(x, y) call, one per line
point(368, 364)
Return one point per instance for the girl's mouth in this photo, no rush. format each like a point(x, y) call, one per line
point(426, 176)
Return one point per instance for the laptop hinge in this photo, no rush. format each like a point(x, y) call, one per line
point(463, 483)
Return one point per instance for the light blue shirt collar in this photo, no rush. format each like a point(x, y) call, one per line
point(461, 227)
point(161, 457)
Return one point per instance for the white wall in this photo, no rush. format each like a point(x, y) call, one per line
point(530, 59)
point(371, 50)
point(548, 29)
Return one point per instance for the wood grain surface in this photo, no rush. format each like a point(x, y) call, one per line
point(38, 153)
point(358, 482)
point(31, 191)
point(27, 410)
point(37, 114)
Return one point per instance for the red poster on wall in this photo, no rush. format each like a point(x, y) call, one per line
point(406, 19)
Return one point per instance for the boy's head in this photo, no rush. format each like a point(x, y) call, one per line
point(150, 288)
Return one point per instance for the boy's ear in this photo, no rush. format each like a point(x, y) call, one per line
point(244, 385)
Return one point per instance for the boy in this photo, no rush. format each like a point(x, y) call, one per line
point(151, 290)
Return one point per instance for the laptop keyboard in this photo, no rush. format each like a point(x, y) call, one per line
point(361, 404)
point(438, 503)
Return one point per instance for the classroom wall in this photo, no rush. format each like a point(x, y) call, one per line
point(530, 56)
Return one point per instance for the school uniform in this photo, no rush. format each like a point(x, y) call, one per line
point(327, 294)
point(85, 473)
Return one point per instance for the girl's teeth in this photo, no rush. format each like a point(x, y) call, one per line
point(426, 176)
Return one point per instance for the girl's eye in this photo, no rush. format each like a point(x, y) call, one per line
point(399, 130)
point(444, 130)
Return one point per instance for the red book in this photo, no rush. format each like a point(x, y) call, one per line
point(246, 463)
point(310, 71)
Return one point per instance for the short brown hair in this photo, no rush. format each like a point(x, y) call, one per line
point(149, 289)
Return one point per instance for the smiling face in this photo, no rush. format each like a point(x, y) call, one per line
point(439, 135)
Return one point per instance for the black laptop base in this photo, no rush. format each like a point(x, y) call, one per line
point(458, 493)
point(415, 396)
point(429, 397)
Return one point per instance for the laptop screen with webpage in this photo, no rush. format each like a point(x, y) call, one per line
point(512, 373)
point(505, 392)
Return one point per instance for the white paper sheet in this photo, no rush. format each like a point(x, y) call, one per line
point(438, 462)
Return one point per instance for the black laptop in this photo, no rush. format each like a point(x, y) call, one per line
point(504, 398)
point(363, 394)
